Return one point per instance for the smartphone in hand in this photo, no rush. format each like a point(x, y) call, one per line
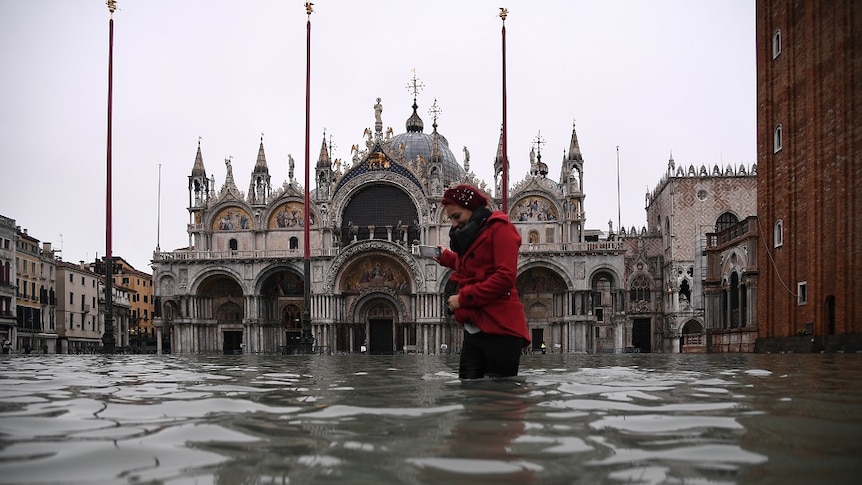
point(429, 251)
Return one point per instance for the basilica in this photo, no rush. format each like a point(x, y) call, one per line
point(240, 285)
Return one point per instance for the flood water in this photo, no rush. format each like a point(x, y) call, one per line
point(630, 418)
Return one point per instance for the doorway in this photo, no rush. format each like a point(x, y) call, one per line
point(641, 335)
point(538, 337)
point(381, 336)
point(232, 342)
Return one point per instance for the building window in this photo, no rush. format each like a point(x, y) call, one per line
point(640, 289)
point(725, 221)
point(294, 243)
point(71, 298)
point(776, 43)
point(802, 293)
point(778, 234)
point(777, 140)
point(233, 244)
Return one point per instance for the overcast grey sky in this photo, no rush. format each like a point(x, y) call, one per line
point(648, 76)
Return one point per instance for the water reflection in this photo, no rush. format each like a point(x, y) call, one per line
point(633, 418)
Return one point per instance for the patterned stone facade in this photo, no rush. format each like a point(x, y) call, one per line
point(669, 255)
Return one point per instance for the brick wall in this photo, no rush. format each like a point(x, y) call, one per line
point(813, 184)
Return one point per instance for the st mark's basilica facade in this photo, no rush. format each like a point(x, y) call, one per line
point(239, 286)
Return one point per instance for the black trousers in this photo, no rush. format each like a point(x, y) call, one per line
point(487, 355)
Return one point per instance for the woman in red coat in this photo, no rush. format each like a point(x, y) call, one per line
point(484, 256)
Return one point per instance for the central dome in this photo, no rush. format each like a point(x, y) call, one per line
point(416, 143)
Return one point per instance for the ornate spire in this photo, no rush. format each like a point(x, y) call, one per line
point(198, 168)
point(572, 168)
point(323, 160)
point(259, 186)
point(498, 161)
point(200, 187)
point(260, 165)
point(574, 148)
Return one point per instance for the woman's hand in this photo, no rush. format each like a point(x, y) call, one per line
point(453, 303)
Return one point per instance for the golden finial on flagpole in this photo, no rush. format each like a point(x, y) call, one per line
point(308, 9)
point(112, 5)
point(503, 12)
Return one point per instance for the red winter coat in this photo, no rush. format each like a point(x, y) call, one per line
point(486, 276)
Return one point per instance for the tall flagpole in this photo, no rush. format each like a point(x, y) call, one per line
point(504, 183)
point(306, 338)
point(619, 211)
point(159, 211)
point(108, 339)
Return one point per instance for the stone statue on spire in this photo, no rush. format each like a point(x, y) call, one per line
point(378, 110)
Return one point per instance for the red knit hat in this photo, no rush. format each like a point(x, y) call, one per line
point(465, 196)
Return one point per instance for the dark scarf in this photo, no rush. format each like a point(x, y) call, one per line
point(461, 238)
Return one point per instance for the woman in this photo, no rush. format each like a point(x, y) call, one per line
point(484, 256)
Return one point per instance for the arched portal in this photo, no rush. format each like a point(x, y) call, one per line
point(384, 336)
point(692, 338)
point(374, 288)
point(279, 311)
point(279, 290)
point(543, 292)
point(221, 298)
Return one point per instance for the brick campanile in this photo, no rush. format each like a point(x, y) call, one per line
point(809, 188)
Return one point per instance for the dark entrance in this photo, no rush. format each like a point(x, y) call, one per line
point(641, 334)
point(830, 315)
point(381, 336)
point(292, 337)
point(538, 336)
point(232, 342)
